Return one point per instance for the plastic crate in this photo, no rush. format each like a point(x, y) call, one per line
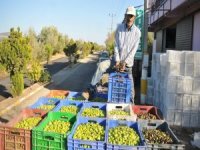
point(49, 140)
point(163, 126)
point(77, 96)
point(66, 103)
point(45, 101)
point(101, 106)
point(133, 125)
point(124, 107)
point(119, 88)
point(61, 94)
point(141, 109)
point(15, 138)
point(74, 144)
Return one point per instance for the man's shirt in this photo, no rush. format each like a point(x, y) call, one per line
point(126, 43)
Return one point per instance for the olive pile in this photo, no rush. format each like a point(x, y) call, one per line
point(146, 116)
point(79, 98)
point(59, 97)
point(28, 123)
point(90, 131)
point(118, 112)
point(46, 107)
point(70, 109)
point(98, 99)
point(155, 136)
point(123, 135)
point(57, 126)
point(93, 112)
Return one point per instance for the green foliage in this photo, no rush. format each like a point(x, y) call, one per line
point(45, 77)
point(51, 36)
point(35, 71)
point(17, 82)
point(70, 48)
point(48, 52)
point(110, 43)
point(16, 52)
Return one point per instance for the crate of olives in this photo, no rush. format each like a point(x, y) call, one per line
point(124, 135)
point(60, 94)
point(16, 134)
point(100, 97)
point(146, 112)
point(158, 135)
point(69, 106)
point(45, 103)
point(88, 134)
point(120, 112)
point(77, 96)
point(119, 88)
point(93, 110)
point(52, 132)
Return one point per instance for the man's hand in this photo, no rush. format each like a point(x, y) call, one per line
point(122, 66)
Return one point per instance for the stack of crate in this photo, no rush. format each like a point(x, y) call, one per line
point(175, 87)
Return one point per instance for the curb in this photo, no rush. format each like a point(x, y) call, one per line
point(20, 100)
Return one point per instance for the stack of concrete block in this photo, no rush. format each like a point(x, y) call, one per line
point(176, 87)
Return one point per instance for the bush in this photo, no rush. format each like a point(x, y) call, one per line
point(45, 77)
point(35, 71)
point(17, 84)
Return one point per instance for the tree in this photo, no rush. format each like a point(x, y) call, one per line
point(35, 71)
point(36, 46)
point(15, 54)
point(70, 48)
point(110, 42)
point(48, 52)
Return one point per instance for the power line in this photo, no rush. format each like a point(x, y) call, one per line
point(112, 16)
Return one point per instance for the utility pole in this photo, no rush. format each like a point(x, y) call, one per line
point(145, 56)
point(112, 16)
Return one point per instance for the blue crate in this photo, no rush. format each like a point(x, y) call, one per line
point(119, 88)
point(134, 125)
point(45, 101)
point(66, 103)
point(163, 126)
point(73, 144)
point(101, 106)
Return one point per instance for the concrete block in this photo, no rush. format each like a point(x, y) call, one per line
point(175, 56)
point(196, 86)
point(197, 70)
point(171, 84)
point(179, 101)
point(178, 117)
point(185, 121)
point(189, 57)
point(195, 102)
point(194, 119)
point(189, 70)
point(170, 100)
point(197, 58)
point(187, 102)
point(173, 69)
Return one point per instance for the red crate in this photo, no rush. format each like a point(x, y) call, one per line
point(14, 138)
point(141, 109)
point(58, 93)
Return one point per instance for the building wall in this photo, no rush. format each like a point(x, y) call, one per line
point(196, 32)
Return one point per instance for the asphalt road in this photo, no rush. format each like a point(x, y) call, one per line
point(53, 67)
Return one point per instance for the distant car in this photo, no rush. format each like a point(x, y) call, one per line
point(103, 56)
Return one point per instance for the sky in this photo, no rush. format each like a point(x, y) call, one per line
point(88, 20)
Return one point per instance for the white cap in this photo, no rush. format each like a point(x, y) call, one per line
point(131, 11)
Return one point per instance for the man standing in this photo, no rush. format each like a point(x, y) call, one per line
point(127, 38)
